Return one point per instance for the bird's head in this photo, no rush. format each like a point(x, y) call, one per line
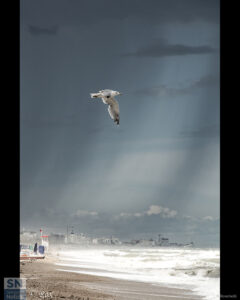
point(116, 93)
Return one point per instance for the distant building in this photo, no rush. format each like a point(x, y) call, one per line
point(133, 242)
point(94, 241)
point(72, 238)
point(56, 239)
point(104, 241)
point(164, 242)
point(146, 243)
point(29, 237)
point(75, 238)
point(173, 244)
point(115, 241)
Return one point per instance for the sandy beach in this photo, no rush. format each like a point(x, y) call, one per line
point(45, 282)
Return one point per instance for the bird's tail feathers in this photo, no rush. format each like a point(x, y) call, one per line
point(117, 121)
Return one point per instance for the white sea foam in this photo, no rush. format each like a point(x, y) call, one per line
point(195, 269)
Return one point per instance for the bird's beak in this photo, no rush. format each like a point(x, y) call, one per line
point(120, 94)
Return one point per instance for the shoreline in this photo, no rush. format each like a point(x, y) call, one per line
point(44, 281)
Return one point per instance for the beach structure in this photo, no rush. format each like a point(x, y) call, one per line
point(30, 252)
point(30, 256)
point(44, 240)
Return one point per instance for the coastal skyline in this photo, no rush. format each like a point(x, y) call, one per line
point(159, 171)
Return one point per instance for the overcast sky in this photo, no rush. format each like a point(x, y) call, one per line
point(158, 172)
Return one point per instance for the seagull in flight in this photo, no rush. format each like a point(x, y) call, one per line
point(108, 98)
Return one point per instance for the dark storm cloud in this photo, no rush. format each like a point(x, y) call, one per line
point(183, 11)
point(162, 90)
point(87, 12)
point(208, 81)
point(35, 30)
point(76, 166)
point(161, 48)
point(211, 131)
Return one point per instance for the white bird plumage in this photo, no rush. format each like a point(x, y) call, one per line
point(108, 98)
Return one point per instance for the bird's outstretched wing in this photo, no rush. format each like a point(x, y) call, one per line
point(113, 109)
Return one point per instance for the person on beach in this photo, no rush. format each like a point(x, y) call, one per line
point(35, 248)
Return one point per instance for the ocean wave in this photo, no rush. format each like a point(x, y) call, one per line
point(181, 267)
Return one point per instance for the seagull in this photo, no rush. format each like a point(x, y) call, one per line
point(108, 98)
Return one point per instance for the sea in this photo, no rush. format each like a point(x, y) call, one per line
point(194, 269)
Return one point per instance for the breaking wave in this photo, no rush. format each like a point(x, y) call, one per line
point(195, 269)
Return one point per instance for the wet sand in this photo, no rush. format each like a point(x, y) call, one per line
point(45, 282)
